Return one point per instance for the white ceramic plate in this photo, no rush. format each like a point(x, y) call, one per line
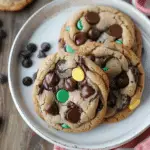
point(45, 25)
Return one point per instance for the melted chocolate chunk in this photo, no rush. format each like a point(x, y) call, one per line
point(73, 114)
point(94, 34)
point(92, 17)
point(115, 30)
point(80, 38)
point(123, 103)
point(100, 105)
point(122, 80)
point(52, 109)
point(60, 66)
point(70, 84)
point(41, 89)
point(50, 80)
point(91, 57)
point(135, 72)
point(112, 99)
point(83, 64)
point(113, 85)
point(87, 91)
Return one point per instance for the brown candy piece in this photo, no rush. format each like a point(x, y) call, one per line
point(80, 38)
point(51, 80)
point(115, 30)
point(112, 99)
point(52, 109)
point(87, 91)
point(73, 114)
point(94, 34)
point(122, 80)
point(92, 18)
point(70, 84)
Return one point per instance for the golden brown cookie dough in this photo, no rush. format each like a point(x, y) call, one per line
point(13, 5)
point(99, 24)
point(126, 76)
point(70, 93)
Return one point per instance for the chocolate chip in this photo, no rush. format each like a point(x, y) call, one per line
point(45, 47)
point(34, 76)
point(60, 66)
point(115, 31)
point(41, 54)
point(84, 82)
point(94, 34)
point(52, 109)
point(73, 114)
point(92, 17)
point(80, 38)
point(31, 47)
point(91, 57)
point(100, 105)
point(51, 80)
point(113, 85)
point(3, 79)
point(70, 84)
point(87, 91)
point(112, 99)
point(2, 34)
point(27, 63)
point(27, 81)
point(122, 80)
point(123, 103)
point(25, 54)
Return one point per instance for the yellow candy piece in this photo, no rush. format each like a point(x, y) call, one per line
point(135, 103)
point(78, 74)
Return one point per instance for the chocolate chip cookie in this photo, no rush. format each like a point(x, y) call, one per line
point(13, 5)
point(100, 24)
point(126, 76)
point(70, 93)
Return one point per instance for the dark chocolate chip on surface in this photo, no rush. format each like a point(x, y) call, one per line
point(94, 34)
point(3, 79)
point(25, 54)
point(87, 91)
point(27, 63)
point(41, 54)
point(2, 34)
point(112, 99)
point(31, 47)
point(80, 38)
point(115, 31)
point(27, 81)
point(45, 47)
point(70, 84)
point(52, 109)
point(73, 113)
point(92, 17)
point(122, 80)
point(51, 80)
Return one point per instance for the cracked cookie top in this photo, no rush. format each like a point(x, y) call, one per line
point(70, 93)
point(100, 24)
point(126, 76)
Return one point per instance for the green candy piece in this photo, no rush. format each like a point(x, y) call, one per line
point(105, 68)
point(69, 49)
point(67, 28)
point(79, 25)
point(62, 96)
point(65, 126)
point(119, 41)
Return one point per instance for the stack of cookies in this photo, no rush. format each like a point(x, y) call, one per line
point(96, 76)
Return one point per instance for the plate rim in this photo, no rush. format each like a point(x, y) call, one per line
point(21, 112)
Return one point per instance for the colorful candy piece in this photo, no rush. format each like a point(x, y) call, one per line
point(105, 69)
point(67, 28)
point(65, 126)
point(78, 74)
point(79, 25)
point(119, 41)
point(69, 49)
point(62, 96)
point(134, 104)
